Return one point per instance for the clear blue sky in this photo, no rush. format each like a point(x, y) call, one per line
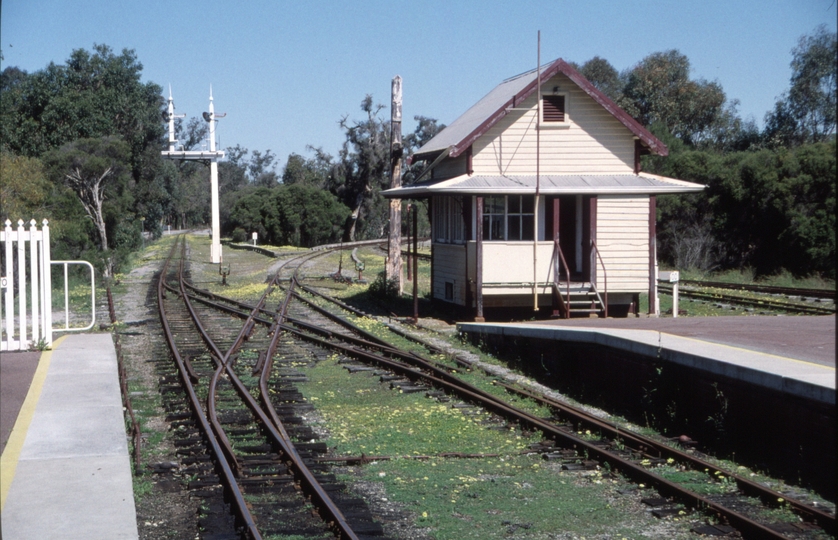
point(286, 72)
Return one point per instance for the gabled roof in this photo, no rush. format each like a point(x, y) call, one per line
point(588, 184)
point(476, 121)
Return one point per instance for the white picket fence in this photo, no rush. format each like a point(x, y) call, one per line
point(17, 334)
point(30, 325)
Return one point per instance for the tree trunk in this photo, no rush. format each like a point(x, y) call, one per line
point(91, 195)
point(394, 260)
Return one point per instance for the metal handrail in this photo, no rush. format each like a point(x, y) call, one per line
point(67, 298)
point(604, 277)
point(559, 256)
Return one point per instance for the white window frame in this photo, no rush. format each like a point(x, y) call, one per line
point(487, 231)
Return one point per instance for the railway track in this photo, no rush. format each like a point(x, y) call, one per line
point(263, 467)
point(785, 291)
point(763, 298)
point(261, 455)
point(635, 456)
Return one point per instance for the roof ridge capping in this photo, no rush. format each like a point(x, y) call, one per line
point(646, 138)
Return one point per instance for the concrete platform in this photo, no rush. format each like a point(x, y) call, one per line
point(65, 471)
point(795, 355)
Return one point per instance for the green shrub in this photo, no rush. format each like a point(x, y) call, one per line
point(239, 235)
point(384, 288)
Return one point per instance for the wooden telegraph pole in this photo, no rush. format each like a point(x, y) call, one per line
point(394, 260)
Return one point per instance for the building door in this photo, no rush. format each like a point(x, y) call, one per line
point(574, 233)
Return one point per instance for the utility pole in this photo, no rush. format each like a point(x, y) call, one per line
point(394, 255)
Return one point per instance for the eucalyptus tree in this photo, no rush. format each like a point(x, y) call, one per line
point(24, 188)
point(304, 171)
point(659, 91)
point(262, 169)
point(361, 172)
point(603, 76)
point(94, 105)
point(807, 112)
point(95, 170)
point(94, 94)
point(293, 214)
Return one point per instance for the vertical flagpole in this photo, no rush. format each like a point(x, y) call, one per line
point(537, 178)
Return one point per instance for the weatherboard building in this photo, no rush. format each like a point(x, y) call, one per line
point(542, 206)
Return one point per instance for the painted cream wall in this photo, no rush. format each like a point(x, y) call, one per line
point(512, 262)
point(592, 141)
point(622, 236)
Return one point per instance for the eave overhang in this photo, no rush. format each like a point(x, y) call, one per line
point(621, 184)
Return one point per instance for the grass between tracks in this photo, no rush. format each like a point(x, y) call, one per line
point(508, 494)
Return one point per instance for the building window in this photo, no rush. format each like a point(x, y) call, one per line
point(494, 218)
point(508, 218)
point(448, 225)
point(553, 109)
point(519, 218)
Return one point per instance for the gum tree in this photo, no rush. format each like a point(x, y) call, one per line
point(94, 169)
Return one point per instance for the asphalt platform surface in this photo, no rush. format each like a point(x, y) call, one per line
point(16, 371)
point(808, 338)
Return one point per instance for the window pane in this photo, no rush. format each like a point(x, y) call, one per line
point(494, 205)
point(528, 205)
point(514, 204)
point(497, 228)
point(486, 228)
point(527, 227)
point(514, 224)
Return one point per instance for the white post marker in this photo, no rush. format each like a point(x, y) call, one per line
point(672, 277)
point(255, 236)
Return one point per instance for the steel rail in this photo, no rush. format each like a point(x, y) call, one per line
point(770, 289)
point(347, 307)
point(441, 378)
point(825, 520)
point(236, 496)
point(748, 487)
point(335, 518)
point(467, 392)
point(220, 359)
point(272, 425)
point(123, 385)
point(643, 444)
point(755, 302)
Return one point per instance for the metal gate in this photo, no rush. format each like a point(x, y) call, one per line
point(27, 322)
